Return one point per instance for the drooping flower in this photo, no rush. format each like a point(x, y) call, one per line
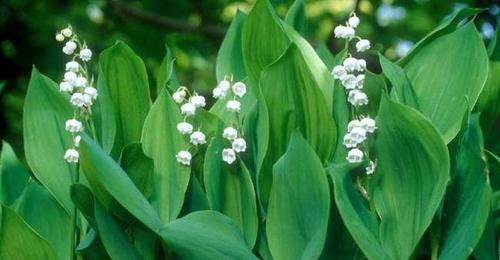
point(77, 140)
point(188, 109)
point(71, 156)
point(184, 157)
point(349, 81)
point(73, 126)
point(65, 86)
point(339, 72)
point(92, 92)
point(233, 106)
point(70, 77)
point(197, 100)
point(358, 135)
point(72, 66)
point(69, 48)
point(179, 96)
point(353, 21)
point(197, 138)
point(354, 155)
point(361, 65)
point(360, 81)
point(67, 32)
point(77, 99)
point(353, 124)
point(239, 89)
point(368, 124)
point(239, 145)
point(349, 141)
point(230, 133)
point(363, 45)
point(228, 155)
point(370, 169)
point(59, 37)
point(357, 98)
point(184, 128)
point(85, 54)
point(80, 81)
point(87, 100)
point(350, 64)
point(217, 92)
point(224, 85)
point(344, 32)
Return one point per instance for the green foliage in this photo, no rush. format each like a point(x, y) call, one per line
point(291, 194)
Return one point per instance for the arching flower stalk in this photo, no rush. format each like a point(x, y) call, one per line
point(232, 133)
point(78, 83)
point(188, 104)
point(351, 75)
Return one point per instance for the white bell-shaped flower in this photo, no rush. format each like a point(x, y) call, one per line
point(339, 72)
point(217, 93)
point(353, 124)
point(239, 145)
point(357, 98)
point(368, 124)
point(361, 65)
point(349, 141)
point(80, 82)
point(184, 157)
point(228, 155)
point(350, 64)
point(85, 54)
point(370, 169)
point(77, 99)
point(344, 32)
point(349, 82)
point(354, 155)
point(353, 21)
point(230, 133)
point(197, 101)
point(239, 89)
point(88, 101)
point(91, 91)
point(363, 45)
point(72, 66)
point(70, 77)
point(233, 106)
point(59, 37)
point(224, 85)
point(197, 138)
point(65, 86)
point(358, 135)
point(360, 81)
point(188, 109)
point(67, 32)
point(179, 96)
point(71, 156)
point(73, 126)
point(184, 128)
point(69, 48)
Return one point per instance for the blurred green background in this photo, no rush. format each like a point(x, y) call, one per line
point(193, 29)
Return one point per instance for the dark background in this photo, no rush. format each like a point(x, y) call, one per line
point(193, 29)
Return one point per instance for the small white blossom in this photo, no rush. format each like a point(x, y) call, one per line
point(65, 86)
point(230, 133)
point(70, 77)
point(349, 141)
point(344, 32)
point(67, 32)
point(353, 124)
point(69, 48)
point(197, 101)
point(218, 92)
point(80, 81)
point(72, 66)
point(59, 37)
point(77, 99)
point(197, 138)
point(228, 155)
point(239, 89)
point(224, 85)
point(360, 81)
point(357, 98)
point(184, 128)
point(179, 96)
point(233, 105)
point(188, 109)
point(349, 81)
point(85, 54)
point(87, 100)
point(361, 66)
point(368, 124)
point(339, 72)
point(71, 156)
point(184, 157)
point(239, 145)
point(363, 45)
point(353, 21)
point(77, 140)
point(92, 92)
point(358, 135)
point(74, 126)
point(370, 169)
point(350, 64)
point(354, 155)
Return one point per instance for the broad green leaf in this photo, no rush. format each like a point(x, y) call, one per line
point(206, 235)
point(299, 203)
point(138, 167)
point(467, 201)
point(45, 139)
point(166, 76)
point(47, 217)
point(326, 55)
point(259, 25)
point(487, 247)
point(230, 56)
point(294, 101)
point(161, 141)
point(358, 219)
point(196, 198)
point(402, 90)
point(296, 16)
point(446, 86)
point(256, 129)
point(83, 199)
point(13, 175)
point(102, 170)
point(127, 81)
point(18, 241)
point(230, 189)
point(113, 237)
point(410, 179)
point(374, 87)
point(103, 116)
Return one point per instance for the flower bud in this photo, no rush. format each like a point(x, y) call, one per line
point(67, 32)
point(59, 37)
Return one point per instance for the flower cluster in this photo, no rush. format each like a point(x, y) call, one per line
point(351, 75)
point(189, 104)
point(235, 92)
point(77, 82)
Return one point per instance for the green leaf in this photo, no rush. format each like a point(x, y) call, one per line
point(103, 116)
point(230, 189)
point(296, 16)
point(254, 31)
point(374, 87)
point(230, 56)
point(205, 235)
point(411, 177)
point(47, 217)
point(294, 101)
point(113, 237)
point(13, 175)
point(161, 141)
point(45, 113)
point(138, 167)
point(196, 199)
point(299, 203)
point(446, 86)
point(467, 203)
point(83, 199)
point(127, 81)
point(167, 77)
point(326, 56)
point(402, 90)
point(104, 173)
point(19, 241)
